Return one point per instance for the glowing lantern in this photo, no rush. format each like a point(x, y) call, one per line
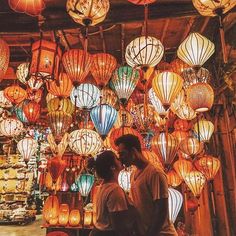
point(179, 100)
point(144, 52)
point(64, 104)
point(35, 83)
point(124, 180)
point(167, 85)
point(4, 58)
point(19, 112)
point(195, 50)
point(152, 158)
point(124, 81)
point(180, 135)
point(86, 96)
point(103, 117)
point(166, 146)
point(49, 97)
point(88, 217)
point(53, 221)
point(45, 59)
point(185, 112)
point(182, 167)
point(10, 127)
point(142, 2)
point(182, 125)
point(63, 216)
point(77, 64)
point(60, 87)
point(85, 142)
point(31, 111)
point(195, 180)
point(85, 183)
point(178, 66)
point(208, 165)
point(103, 66)
point(74, 218)
point(108, 97)
point(15, 94)
point(34, 95)
point(27, 148)
point(49, 184)
point(200, 97)
point(204, 130)
point(22, 72)
point(51, 208)
point(175, 201)
point(88, 12)
point(191, 146)
point(4, 102)
point(124, 118)
point(173, 179)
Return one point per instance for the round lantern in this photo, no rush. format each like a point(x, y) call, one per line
point(178, 101)
point(27, 148)
point(49, 97)
point(175, 201)
point(63, 216)
point(200, 97)
point(124, 118)
point(64, 104)
point(86, 96)
point(144, 52)
point(15, 94)
point(180, 135)
point(108, 97)
point(173, 179)
point(185, 112)
point(74, 218)
point(103, 66)
point(87, 12)
point(167, 85)
point(204, 130)
point(178, 66)
point(85, 142)
point(195, 180)
point(124, 82)
point(77, 64)
point(208, 165)
point(60, 87)
point(152, 158)
point(166, 146)
point(191, 146)
point(4, 102)
point(85, 183)
point(195, 50)
point(88, 217)
point(182, 167)
point(22, 72)
point(10, 127)
point(51, 208)
point(34, 95)
point(142, 2)
point(31, 111)
point(19, 112)
point(124, 180)
point(4, 58)
point(103, 117)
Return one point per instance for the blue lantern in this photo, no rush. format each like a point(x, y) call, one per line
point(103, 117)
point(85, 183)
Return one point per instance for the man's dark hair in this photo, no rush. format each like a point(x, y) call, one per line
point(130, 141)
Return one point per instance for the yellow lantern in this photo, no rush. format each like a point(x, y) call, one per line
point(63, 216)
point(4, 58)
point(185, 112)
point(204, 130)
point(4, 102)
point(108, 97)
point(124, 118)
point(173, 179)
point(22, 72)
point(182, 167)
point(191, 146)
point(74, 218)
point(15, 94)
point(88, 218)
point(11, 127)
point(153, 159)
point(180, 135)
point(64, 104)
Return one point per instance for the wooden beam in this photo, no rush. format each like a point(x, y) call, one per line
point(165, 30)
point(188, 29)
point(205, 23)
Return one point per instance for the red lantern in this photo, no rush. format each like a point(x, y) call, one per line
point(15, 94)
point(178, 66)
point(182, 125)
point(32, 111)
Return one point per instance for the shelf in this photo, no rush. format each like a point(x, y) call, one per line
point(65, 227)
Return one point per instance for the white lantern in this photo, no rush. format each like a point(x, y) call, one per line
point(204, 130)
point(22, 72)
point(11, 127)
point(124, 179)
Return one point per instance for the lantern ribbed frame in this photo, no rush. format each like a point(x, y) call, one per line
point(31, 111)
point(124, 180)
point(144, 52)
point(64, 104)
point(124, 118)
point(85, 183)
point(51, 208)
point(185, 112)
point(108, 97)
point(74, 218)
point(178, 101)
point(153, 159)
point(4, 58)
point(182, 125)
point(182, 167)
point(178, 66)
point(22, 72)
point(191, 146)
point(15, 94)
point(4, 102)
point(142, 2)
point(204, 130)
point(180, 135)
point(88, 12)
point(195, 50)
point(35, 83)
point(10, 127)
point(173, 178)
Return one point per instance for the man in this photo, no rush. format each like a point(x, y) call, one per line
point(149, 189)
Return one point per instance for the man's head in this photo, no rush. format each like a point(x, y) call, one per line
point(128, 146)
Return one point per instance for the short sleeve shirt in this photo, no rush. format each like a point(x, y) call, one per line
point(110, 198)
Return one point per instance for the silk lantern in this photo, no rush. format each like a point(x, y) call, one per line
point(204, 130)
point(4, 102)
point(19, 112)
point(11, 127)
point(63, 216)
point(22, 72)
point(178, 101)
point(180, 135)
point(152, 158)
point(124, 118)
point(51, 208)
point(74, 218)
point(182, 167)
point(64, 104)
point(173, 178)
point(124, 180)
point(191, 146)
point(4, 58)
point(185, 112)
point(15, 94)
point(85, 183)
point(108, 97)
point(31, 111)
point(178, 66)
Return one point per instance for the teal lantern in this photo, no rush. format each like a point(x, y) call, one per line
point(84, 183)
point(103, 116)
point(19, 112)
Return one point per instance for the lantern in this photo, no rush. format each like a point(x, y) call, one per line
point(103, 66)
point(142, 2)
point(35, 83)
point(166, 146)
point(27, 148)
point(29, 7)
point(175, 201)
point(178, 101)
point(88, 12)
point(173, 178)
point(64, 104)
point(74, 218)
point(31, 111)
point(191, 146)
point(63, 216)
point(153, 159)
point(4, 102)
point(108, 97)
point(182, 167)
point(49, 97)
point(182, 125)
point(46, 56)
point(60, 87)
point(178, 66)
point(124, 118)
point(4, 58)
point(53, 221)
point(180, 135)
point(124, 81)
point(77, 64)
point(103, 117)
point(85, 183)
point(86, 96)
point(167, 85)
point(85, 142)
point(10, 127)
point(195, 180)
point(144, 52)
point(185, 112)
point(208, 165)
point(49, 184)
point(200, 97)
point(22, 72)
point(88, 217)
point(51, 208)
point(34, 95)
point(124, 180)
point(19, 112)
point(195, 50)
point(15, 94)
point(204, 130)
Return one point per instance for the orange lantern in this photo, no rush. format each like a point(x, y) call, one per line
point(141, 2)
point(77, 64)
point(178, 66)
point(61, 87)
point(102, 68)
point(46, 56)
point(64, 212)
point(32, 111)
point(53, 221)
point(182, 167)
point(51, 208)
point(64, 104)
point(15, 94)
point(191, 146)
point(180, 135)
point(182, 125)
point(108, 97)
point(34, 95)
point(124, 118)
point(173, 179)
point(4, 58)
point(152, 158)
point(208, 165)
point(88, 217)
point(49, 184)
point(74, 218)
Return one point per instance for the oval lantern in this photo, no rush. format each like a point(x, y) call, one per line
point(4, 58)
point(204, 130)
point(85, 183)
point(191, 146)
point(182, 167)
point(185, 112)
point(175, 201)
point(19, 112)
point(15, 94)
point(31, 111)
point(11, 127)
point(51, 208)
point(63, 216)
point(124, 118)
point(108, 97)
point(4, 102)
point(22, 72)
point(178, 101)
point(64, 104)
point(173, 178)
point(124, 180)
point(152, 158)
point(180, 135)
point(74, 218)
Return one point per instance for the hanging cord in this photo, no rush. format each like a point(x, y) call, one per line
point(146, 20)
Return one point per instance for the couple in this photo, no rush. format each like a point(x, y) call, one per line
point(149, 193)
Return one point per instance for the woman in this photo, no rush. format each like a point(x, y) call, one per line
point(112, 205)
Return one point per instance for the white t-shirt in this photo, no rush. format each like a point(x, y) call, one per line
point(110, 198)
point(150, 185)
